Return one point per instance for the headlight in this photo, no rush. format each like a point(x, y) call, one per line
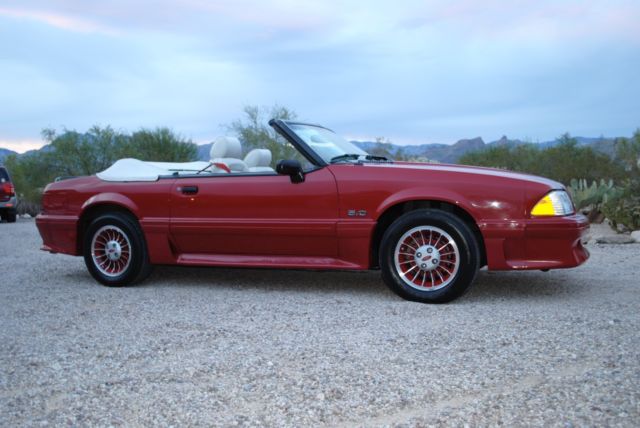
point(556, 202)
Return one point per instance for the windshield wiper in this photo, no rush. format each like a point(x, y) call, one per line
point(353, 156)
point(376, 158)
point(345, 157)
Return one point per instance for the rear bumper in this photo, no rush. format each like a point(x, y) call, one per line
point(9, 204)
point(59, 233)
point(538, 243)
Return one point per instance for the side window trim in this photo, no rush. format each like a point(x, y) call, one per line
point(233, 174)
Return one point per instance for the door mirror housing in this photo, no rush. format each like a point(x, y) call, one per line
point(292, 168)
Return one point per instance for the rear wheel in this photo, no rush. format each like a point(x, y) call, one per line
point(10, 216)
point(429, 256)
point(115, 250)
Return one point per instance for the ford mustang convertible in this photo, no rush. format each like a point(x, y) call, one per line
point(429, 228)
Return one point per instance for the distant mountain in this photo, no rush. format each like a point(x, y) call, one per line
point(445, 153)
point(203, 151)
point(451, 153)
point(4, 153)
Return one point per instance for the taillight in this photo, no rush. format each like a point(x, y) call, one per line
point(8, 189)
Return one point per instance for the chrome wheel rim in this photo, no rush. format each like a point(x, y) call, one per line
point(111, 251)
point(426, 258)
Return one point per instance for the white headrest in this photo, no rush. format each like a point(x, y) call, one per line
point(226, 147)
point(258, 157)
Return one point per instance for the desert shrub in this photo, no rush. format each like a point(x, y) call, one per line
point(590, 198)
point(623, 207)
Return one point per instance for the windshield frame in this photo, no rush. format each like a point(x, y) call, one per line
point(284, 128)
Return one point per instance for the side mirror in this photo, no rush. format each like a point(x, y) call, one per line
point(292, 168)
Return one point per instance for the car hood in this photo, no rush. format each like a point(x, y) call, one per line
point(463, 169)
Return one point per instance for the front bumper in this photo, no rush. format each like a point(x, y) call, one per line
point(536, 243)
point(59, 233)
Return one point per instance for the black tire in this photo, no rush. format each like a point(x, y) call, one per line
point(455, 265)
point(10, 216)
point(131, 266)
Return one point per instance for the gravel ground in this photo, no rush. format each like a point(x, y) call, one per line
point(195, 346)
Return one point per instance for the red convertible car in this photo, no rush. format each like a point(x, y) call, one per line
point(427, 227)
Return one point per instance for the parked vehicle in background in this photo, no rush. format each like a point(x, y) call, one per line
point(8, 199)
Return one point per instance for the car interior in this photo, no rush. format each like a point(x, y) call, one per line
point(228, 151)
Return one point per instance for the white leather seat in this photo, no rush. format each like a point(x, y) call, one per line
point(259, 160)
point(228, 150)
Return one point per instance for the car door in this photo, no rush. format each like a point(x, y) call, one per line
point(255, 215)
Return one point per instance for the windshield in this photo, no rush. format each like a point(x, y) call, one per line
point(327, 144)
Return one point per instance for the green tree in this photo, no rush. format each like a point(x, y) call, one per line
point(628, 153)
point(72, 153)
point(624, 206)
point(30, 173)
point(254, 131)
point(160, 145)
point(564, 161)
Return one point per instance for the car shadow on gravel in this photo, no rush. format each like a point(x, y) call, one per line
point(368, 282)
point(488, 286)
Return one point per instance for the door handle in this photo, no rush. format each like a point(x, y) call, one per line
point(188, 190)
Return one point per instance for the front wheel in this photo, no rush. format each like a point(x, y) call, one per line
point(115, 250)
point(429, 256)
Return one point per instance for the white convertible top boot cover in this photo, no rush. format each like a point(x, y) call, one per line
point(136, 170)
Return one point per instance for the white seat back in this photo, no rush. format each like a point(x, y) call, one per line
point(228, 150)
point(258, 160)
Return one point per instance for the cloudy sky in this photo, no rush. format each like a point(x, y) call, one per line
point(411, 71)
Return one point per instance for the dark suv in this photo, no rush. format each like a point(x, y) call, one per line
point(8, 198)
